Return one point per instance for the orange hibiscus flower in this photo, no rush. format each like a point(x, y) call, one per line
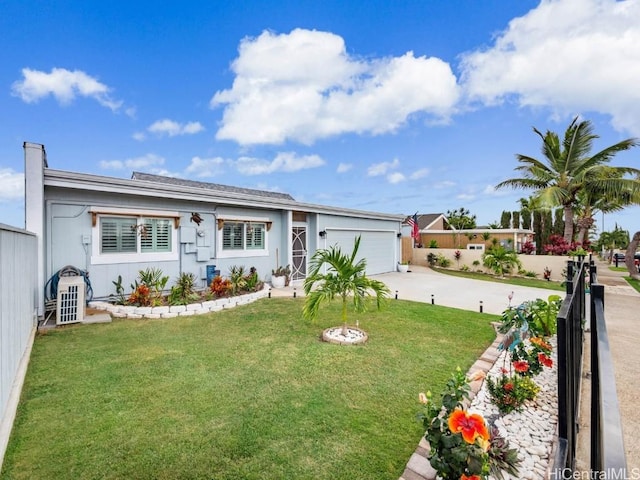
point(470, 477)
point(471, 426)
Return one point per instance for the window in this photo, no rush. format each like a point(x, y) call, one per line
point(243, 236)
point(129, 239)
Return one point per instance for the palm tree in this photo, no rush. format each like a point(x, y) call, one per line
point(595, 199)
point(500, 260)
point(344, 277)
point(568, 168)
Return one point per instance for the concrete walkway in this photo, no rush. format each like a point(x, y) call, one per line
point(622, 312)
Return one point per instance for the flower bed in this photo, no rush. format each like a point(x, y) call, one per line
point(166, 311)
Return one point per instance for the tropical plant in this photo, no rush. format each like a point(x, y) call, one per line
point(528, 248)
point(252, 281)
point(509, 392)
point(432, 259)
point(283, 272)
point(220, 287)
point(500, 260)
point(568, 169)
point(344, 277)
point(237, 279)
point(120, 297)
point(538, 316)
point(462, 444)
point(148, 290)
point(183, 292)
point(433, 243)
point(617, 238)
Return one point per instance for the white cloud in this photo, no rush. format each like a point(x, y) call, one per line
point(145, 162)
point(344, 167)
point(418, 174)
point(396, 177)
point(172, 128)
point(492, 191)
point(444, 184)
point(303, 86)
point(206, 167)
point(139, 136)
point(382, 168)
point(284, 162)
point(466, 196)
point(64, 85)
point(567, 55)
point(11, 185)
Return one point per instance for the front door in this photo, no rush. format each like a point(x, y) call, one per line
point(299, 253)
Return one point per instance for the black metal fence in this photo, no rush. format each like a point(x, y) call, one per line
point(607, 449)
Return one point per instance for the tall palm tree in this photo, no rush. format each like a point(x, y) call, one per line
point(344, 277)
point(568, 168)
point(596, 199)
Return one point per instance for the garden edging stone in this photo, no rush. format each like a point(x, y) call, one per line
point(166, 311)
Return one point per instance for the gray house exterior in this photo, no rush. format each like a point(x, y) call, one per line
point(114, 227)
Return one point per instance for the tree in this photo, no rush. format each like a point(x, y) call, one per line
point(596, 199)
point(505, 219)
point(515, 220)
point(461, 219)
point(568, 168)
point(500, 260)
point(629, 256)
point(618, 238)
point(344, 278)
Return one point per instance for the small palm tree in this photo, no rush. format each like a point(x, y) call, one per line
point(500, 260)
point(344, 277)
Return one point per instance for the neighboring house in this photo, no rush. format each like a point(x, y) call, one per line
point(111, 226)
point(434, 227)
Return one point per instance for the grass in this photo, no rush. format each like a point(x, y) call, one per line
point(248, 393)
point(633, 282)
point(522, 281)
point(618, 269)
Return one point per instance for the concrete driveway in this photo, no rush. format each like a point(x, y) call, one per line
point(422, 282)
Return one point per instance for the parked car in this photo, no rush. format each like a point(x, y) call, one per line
point(620, 257)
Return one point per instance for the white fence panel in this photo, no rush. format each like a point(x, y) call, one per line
point(18, 315)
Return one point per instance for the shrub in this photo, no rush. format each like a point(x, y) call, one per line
point(528, 248)
point(220, 287)
point(432, 259)
point(510, 392)
point(465, 268)
point(433, 244)
point(183, 292)
point(462, 445)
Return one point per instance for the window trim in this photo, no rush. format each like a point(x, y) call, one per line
point(99, 258)
point(243, 252)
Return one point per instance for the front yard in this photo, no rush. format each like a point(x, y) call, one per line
point(246, 393)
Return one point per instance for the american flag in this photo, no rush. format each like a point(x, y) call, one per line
point(415, 230)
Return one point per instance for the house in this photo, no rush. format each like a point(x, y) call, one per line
point(435, 230)
point(114, 227)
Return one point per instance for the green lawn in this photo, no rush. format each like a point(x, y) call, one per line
point(248, 393)
point(522, 281)
point(634, 283)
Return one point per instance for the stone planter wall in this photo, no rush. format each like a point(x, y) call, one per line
point(165, 311)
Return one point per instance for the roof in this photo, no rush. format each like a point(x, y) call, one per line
point(210, 186)
point(425, 220)
point(197, 191)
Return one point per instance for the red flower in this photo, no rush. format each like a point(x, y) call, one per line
point(470, 477)
point(508, 386)
point(504, 371)
point(471, 426)
point(521, 366)
point(544, 360)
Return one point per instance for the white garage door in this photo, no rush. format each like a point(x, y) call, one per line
point(378, 248)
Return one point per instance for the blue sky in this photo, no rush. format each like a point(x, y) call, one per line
point(390, 106)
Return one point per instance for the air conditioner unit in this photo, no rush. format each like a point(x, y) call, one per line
point(70, 300)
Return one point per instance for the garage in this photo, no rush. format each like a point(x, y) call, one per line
point(379, 247)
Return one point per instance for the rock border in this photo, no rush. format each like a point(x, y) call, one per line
point(166, 311)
